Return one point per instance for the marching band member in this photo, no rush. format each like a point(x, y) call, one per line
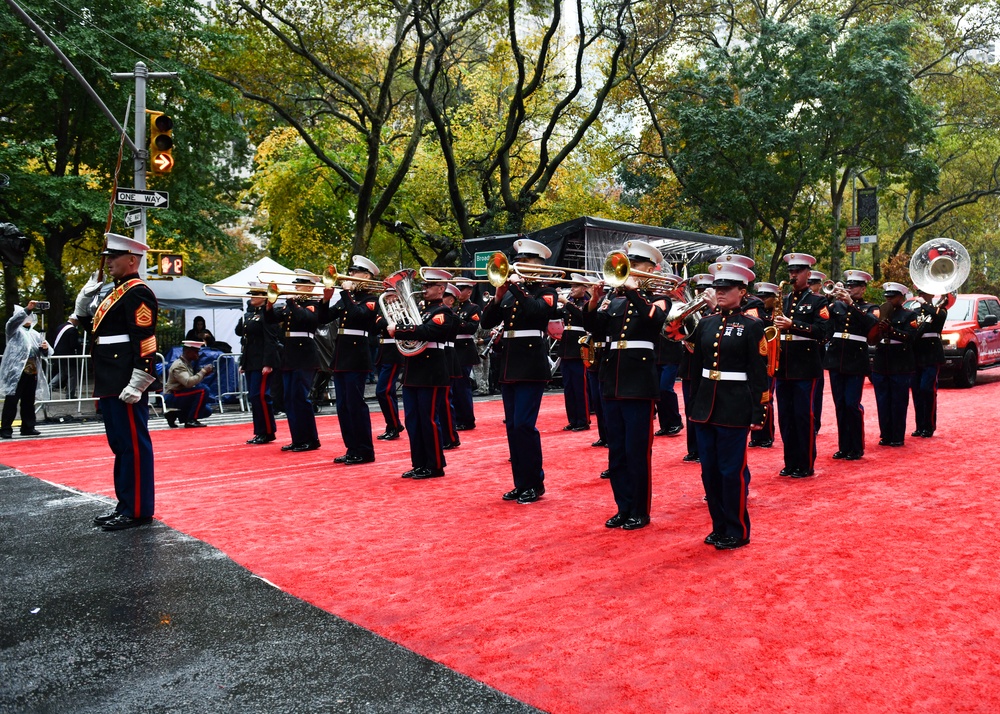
point(928, 352)
point(846, 358)
point(425, 376)
point(297, 322)
point(124, 350)
point(388, 364)
point(629, 383)
point(893, 365)
point(700, 283)
point(768, 293)
point(803, 326)
point(574, 372)
point(469, 315)
point(729, 395)
point(258, 360)
point(352, 360)
point(524, 307)
point(446, 407)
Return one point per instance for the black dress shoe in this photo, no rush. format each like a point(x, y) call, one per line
point(852, 457)
point(193, 424)
point(918, 432)
point(669, 431)
point(172, 418)
point(712, 538)
point(600, 442)
point(568, 427)
point(691, 458)
point(306, 446)
point(801, 473)
point(409, 474)
point(634, 523)
point(530, 495)
point(421, 474)
point(840, 454)
point(465, 427)
point(606, 473)
point(31, 432)
point(884, 442)
point(452, 445)
point(354, 460)
point(927, 434)
point(896, 443)
point(390, 434)
point(512, 495)
point(763, 444)
point(786, 471)
point(6, 434)
point(289, 447)
point(101, 520)
point(581, 427)
point(261, 439)
point(730, 543)
point(616, 521)
point(122, 522)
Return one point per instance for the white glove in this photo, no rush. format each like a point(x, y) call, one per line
point(84, 306)
point(136, 386)
point(709, 295)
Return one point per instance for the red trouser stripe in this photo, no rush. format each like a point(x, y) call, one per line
point(265, 412)
point(136, 466)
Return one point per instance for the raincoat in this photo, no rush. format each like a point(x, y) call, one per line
point(23, 343)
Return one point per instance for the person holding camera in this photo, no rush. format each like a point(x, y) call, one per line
point(19, 371)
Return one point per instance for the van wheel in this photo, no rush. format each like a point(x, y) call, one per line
point(965, 375)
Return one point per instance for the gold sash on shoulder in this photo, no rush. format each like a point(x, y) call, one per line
point(112, 298)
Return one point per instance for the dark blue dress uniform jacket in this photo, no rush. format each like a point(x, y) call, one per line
point(356, 311)
point(803, 359)
point(729, 341)
point(928, 349)
point(847, 349)
point(572, 316)
point(294, 316)
point(133, 314)
point(469, 316)
point(629, 317)
point(430, 368)
point(260, 341)
point(523, 359)
point(894, 350)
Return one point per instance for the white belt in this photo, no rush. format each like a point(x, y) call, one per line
point(508, 334)
point(598, 344)
point(849, 336)
point(631, 345)
point(795, 338)
point(450, 344)
point(387, 341)
point(717, 376)
point(358, 333)
point(573, 328)
point(299, 334)
point(110, 339)
point(435, 345)
point(465, 337)
point(892, 342)
point(931, 334)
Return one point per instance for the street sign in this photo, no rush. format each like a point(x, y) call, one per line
point(482, 259)
point(133, 218)
point(147, 199)
point(853, 241)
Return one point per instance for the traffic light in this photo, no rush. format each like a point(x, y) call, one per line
point(161, 142)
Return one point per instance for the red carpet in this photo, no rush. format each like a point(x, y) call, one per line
point(870, 588)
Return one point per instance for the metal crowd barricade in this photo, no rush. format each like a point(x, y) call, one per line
point(227, 370)
point(70, 380)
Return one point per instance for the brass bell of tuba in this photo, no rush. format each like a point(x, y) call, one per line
point(939, 267)
point(398, 306)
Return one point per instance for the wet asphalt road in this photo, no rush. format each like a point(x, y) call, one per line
point(150, 619)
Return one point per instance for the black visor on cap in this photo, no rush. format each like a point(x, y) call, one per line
point(113, 253)
point(727, 283)
point(855, 283)
point(302, 281)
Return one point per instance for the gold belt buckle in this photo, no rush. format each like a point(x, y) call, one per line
point(622, 344)
point(786, 338)
point(845, 335)
point(715, 375)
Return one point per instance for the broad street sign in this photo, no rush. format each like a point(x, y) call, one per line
point(481, 260)
point(133, 218)
point(147, 199)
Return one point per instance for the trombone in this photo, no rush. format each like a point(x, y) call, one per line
point(329, 279)
point(499, 270)
point(618, 268)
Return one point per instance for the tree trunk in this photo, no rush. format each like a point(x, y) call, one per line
point(10, 294)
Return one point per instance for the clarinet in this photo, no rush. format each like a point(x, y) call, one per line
point(494, 335)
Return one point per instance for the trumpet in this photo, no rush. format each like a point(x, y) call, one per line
point(617, 269)
point(830, 287)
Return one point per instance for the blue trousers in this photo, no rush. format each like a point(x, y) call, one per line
point(892, 397)
point(298, 407)
point(259, 393)
point(191, 403)
point(797, 422)
point(461, 395)
point(352, 413)
point(630, 453)
point(521, 402)
point(574, 379)
point(421, 405)
point(446, 415)
point(595, 401)
point(924, 386)
point(127, 429)
point(846, 390)
point(726, 476)
point(667, 409)
point(385, 392)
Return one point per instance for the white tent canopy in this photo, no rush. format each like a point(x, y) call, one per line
point(245, 277)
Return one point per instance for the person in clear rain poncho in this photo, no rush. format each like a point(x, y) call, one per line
point(19, 371)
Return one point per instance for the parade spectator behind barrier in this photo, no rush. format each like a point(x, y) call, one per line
point(186, 397)
point(19, 372)
point(65, 372)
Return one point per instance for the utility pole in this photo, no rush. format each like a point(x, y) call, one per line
point(140, 157)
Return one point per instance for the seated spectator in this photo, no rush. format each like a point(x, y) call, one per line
point(185, 396)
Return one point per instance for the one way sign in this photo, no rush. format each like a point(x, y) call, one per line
point(136, 197)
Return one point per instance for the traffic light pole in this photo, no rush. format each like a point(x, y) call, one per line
point(141, 153)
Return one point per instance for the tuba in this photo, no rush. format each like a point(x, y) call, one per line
point(684, 318)
point(398, 306)
point(939, 267)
